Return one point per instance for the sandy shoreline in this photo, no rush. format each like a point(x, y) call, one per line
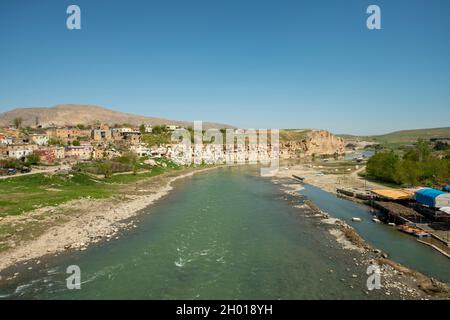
point(93, 220)
point(327, 182)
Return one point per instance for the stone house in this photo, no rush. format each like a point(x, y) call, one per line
point(67, 134)
point(101, 134)
point(39, 139)
point(83, 152)
point(20, 151)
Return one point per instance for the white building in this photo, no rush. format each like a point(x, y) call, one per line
point(5, 140)
point(39, 139)
point(122, 130)
point(20, 151)
point(141, 151)
point(172, 127)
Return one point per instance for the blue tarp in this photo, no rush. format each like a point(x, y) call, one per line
point(427, 196)
point(447, 188)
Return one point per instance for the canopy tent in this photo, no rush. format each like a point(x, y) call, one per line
point(433, 197)
point(393, 194)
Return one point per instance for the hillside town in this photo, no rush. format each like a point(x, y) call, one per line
point(22, 147)
point(58, 145)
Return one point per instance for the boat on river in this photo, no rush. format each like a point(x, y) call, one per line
point(298, 178)
point(419, 233)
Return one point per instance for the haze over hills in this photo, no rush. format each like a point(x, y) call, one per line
point(73, 114)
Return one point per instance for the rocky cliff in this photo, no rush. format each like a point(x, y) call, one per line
point(299, 143)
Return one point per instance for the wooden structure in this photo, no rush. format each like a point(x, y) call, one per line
point(397, 213)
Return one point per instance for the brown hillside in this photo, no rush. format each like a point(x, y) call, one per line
point(73, 114)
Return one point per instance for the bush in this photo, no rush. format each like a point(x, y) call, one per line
point(11, 163)
point(408, 172)
point(128, 158)
point(142, 129)
point(159, 129)
point(54, 142)
point(32, 159)
point(441, 146)
point(418, 166)
point(105, 168)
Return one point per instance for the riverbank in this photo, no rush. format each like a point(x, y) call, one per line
point(355, 183)
point(76, 224)
point(409, 283)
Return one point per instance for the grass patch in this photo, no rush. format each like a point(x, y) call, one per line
point(157, 139)
point(22, 194)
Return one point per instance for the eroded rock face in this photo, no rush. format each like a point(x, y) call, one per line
point(317, 142)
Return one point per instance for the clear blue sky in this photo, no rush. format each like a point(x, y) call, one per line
point(251, 63)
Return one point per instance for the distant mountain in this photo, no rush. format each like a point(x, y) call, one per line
point(73, 114)
point(403, 136)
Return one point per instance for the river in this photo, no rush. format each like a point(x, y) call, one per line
point(224, 234)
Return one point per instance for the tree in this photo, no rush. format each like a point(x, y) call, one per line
point(383, 166)
point(434, 171)
point(105, 168)
point(440, 146)
point(128, 158)
point(159, 129)
point(447, 154)
point(336, 155)
point(17, 122)
point(418, 166)
point(76, 143)
point(32, 159)
point(408, 172)
point(423, 150)
point(142, 128)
